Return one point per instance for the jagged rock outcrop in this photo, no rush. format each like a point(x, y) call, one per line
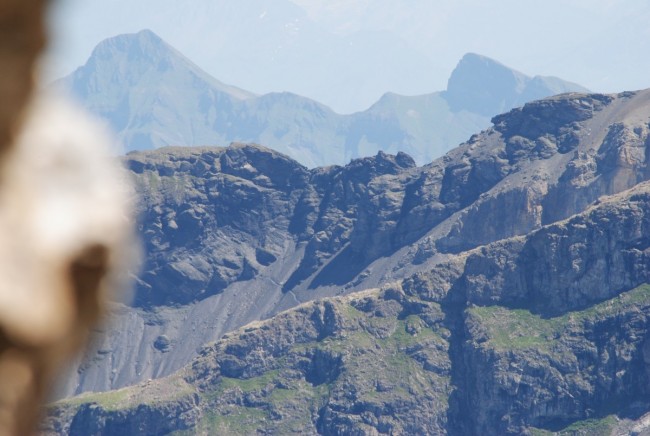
point(568, 265)
point(515, 217)
point(194, 201)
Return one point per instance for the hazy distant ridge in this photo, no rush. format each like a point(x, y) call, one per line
point(153, 96)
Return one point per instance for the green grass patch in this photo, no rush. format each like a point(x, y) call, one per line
point(238, 420)
point(521, 329)
point(244, 384)
point(539, 432)
point(350, 312)
point(518, 328)
point(588, 427)
point(112, 400)
point(591, 427)
point(412, 330)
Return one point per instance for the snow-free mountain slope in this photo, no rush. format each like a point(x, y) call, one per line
point(150, 94)
point(487, 87)
point(265, 46)
point(346, 54)
point(433, 353)
point(238, 234)
point(153, 96)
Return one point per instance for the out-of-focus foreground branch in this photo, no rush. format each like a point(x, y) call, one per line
point(63, 223)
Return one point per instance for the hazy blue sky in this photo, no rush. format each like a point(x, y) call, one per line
point(347, 53)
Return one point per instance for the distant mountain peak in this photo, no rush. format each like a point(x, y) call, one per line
point(127, 59)
point(482, 85)
point(144, 43)
point(153, 96)
point(138, 83)
point(476, 58)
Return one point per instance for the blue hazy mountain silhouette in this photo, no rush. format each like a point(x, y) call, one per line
point(153, 96)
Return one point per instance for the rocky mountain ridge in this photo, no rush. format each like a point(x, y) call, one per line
point(239, 234)
point(435, 353)
point(152, 96)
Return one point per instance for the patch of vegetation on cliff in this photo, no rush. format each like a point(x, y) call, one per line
point(249, 384)
point(380, 358)
point(109, 401)
point(588, 427)
point(521, 329)
point(149, 393)
point(239, 420)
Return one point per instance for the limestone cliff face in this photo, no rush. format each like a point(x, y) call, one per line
point(210, 217)
point(550, 328)
point(442, 352)
point(568, 265)
point(516, 217)
point(531, 371)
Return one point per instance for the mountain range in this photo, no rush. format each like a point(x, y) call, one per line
point(152, 96)
point(265, 46)
point(500, 289)
point(347, 54)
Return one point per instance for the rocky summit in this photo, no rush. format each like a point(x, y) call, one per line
point(501, 289)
